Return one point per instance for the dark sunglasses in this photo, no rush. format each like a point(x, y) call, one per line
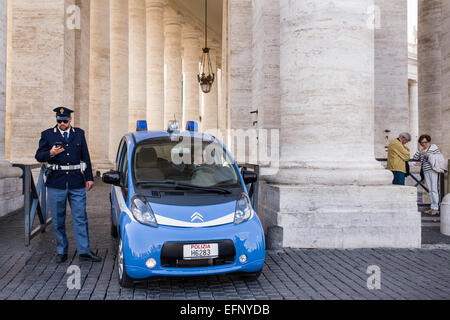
point(61, 121)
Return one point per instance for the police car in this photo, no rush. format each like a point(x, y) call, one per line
point(180, 207)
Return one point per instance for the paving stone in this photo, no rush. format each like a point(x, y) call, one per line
point(28, 273)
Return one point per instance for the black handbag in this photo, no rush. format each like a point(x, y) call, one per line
point(407, 168)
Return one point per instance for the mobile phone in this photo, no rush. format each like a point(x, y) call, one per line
point(58, 145)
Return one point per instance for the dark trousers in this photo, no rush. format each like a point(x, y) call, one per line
point(399, 178)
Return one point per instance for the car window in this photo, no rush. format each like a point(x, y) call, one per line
point(193, 161)
point(123, 166)
point(119, 156)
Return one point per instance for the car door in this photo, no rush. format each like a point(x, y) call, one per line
point(118, 166)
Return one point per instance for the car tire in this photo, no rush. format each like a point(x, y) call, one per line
point(124, 280)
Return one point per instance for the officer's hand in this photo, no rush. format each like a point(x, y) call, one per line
point(89, 185)
point(55, 151)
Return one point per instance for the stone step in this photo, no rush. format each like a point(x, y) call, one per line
point(431, 224)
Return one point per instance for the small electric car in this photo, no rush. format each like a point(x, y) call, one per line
point(180, 207)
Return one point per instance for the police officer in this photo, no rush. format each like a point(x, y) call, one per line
point(65, 150)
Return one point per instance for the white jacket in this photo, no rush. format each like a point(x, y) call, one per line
point(438, 163)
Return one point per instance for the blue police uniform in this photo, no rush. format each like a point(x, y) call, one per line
point(67, 185)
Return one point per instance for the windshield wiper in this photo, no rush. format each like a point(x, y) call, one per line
point(185, 186)
point(208, 189)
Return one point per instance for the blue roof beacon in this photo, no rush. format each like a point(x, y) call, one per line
point(141, 125)
point(180, 207)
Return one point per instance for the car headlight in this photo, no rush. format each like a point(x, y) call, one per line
point(142, 211)
point(243, 210)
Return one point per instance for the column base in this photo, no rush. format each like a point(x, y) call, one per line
point(11, 197)
point(318, 216)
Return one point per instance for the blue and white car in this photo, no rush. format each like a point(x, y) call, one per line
point(180, 207)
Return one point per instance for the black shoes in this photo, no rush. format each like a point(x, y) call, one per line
point(60, 258)
point(90, 257)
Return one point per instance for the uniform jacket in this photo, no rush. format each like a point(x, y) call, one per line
point(75, 151)
point(397, 156)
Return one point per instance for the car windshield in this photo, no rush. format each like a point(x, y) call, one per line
point(186, 162)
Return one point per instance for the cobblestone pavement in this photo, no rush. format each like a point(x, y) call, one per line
point(31, 272)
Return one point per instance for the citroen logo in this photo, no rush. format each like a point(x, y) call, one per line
point(196, 216)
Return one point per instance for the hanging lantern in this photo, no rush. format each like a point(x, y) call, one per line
point(206, 75)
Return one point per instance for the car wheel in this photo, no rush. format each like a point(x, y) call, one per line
point(124, 280)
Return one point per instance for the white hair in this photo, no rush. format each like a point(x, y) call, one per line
point(405, 135)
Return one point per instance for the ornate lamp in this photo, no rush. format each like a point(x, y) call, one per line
point(206, 75)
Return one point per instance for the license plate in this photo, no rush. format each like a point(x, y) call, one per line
point(200, 250)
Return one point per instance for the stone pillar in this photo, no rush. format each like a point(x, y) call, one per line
point(118, 116)
point(413, 116)
point(137, 109)
point(391, 73)
point(330, 191)
point(173, 107)
point(82, 44)
point(191, 101)
point(266, 80)
point(210, 102)
point(224, 110)
point(429, 69)
point(40, 72)
point(445, 46)
point(155, 63)
point(239, 82)
point(99, 86)
point(11, 197)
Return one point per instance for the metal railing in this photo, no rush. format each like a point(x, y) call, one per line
point(419, 181)
point(253, 187)
point(35, 201)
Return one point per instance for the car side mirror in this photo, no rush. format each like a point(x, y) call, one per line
point(249, 177)
point(111, 177)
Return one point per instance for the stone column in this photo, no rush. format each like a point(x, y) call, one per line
point(391, 73)
point(11, 197)
point(155, 63)
point(413, 116)
point(40, 72)
point(238, 77)
point(210, 102)
point(224, 111)
point(240, 66)
point(82, 44)
point(99, 85)
point(191, 101)
point(173, 107)
point(137, 109)
point(429, 69)
point(445, 47)
point(118, 112)
point(266, 80)
point(330, 191)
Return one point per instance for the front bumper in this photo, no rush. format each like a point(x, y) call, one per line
point(142, 242)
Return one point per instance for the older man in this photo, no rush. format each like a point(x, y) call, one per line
point(398, 155)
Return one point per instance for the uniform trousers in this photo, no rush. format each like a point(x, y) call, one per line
point(57, 200)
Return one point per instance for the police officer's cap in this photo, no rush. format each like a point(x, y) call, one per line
point(62, 113)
